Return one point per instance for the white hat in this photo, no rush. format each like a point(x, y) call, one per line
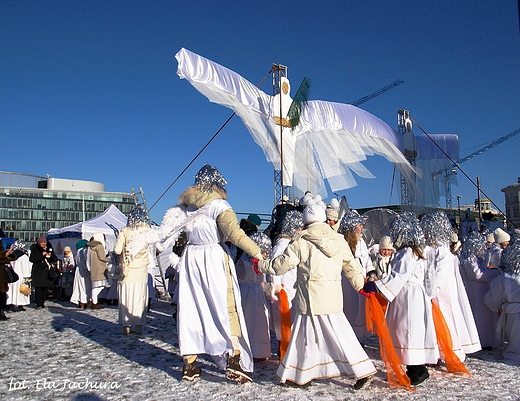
point(490, 238)
point(386, 243)
point(313, 213)
point(501, 236)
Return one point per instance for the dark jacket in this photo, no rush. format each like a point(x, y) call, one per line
point(40, 268)
point(4, 260)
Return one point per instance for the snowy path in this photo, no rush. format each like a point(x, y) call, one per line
point(65, 353)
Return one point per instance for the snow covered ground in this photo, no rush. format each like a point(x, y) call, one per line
point(66, 353)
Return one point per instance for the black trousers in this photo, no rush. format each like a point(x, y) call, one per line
point(3, 300)
point(40, 295)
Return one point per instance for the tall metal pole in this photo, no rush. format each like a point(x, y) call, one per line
point(479, 201)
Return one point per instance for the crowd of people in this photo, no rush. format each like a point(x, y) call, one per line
point(308, 280)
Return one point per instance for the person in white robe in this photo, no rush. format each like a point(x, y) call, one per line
point(409, 313)
point(133, 282)
point(322, 343)
point(477, 276)
point(501, 242)
point(210, 319)
point(450, 293)
point(351, 226)
point(81, 288)
point(381, 264)
point(291, 224)
point(254, 304)
point(15, 299)
point(504, 295)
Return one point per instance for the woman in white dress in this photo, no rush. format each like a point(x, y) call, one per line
point(477, 276)
point(322, 343)
point(81, 288)
point(254, 302)
point(504, 295)
point(409, 314)
point(210, 318)
point(449, 293)
point(291, 224)
point(351, 226)
point(22, 266)
point(133, 282)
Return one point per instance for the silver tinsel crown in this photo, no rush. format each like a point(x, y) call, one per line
point(207, 177)
point(263, 241)
point(293, 221)
point(437, 227)
point(405, 230)
point(137, 217)
point(349, 221)
point(474, 244)
point(510, 259)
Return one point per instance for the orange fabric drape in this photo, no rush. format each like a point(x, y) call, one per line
point(285, 321)
point(376, 323)
point(453, 363)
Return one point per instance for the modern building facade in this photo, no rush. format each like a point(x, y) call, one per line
point(512, 195)
point(31, 205)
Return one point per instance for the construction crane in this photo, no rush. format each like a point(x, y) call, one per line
point(448, 173)
point(377, 93)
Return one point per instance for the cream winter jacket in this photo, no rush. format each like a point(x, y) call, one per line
point(320, 254)
point(136, 270)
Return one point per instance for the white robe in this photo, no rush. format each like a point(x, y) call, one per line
point(454, 303)
point(504, 294)
point(288, 281)
point(353, 302)
point(203, 319)
point(409, 313)
point(81, 288)
point(477, 276)
point(254, 307)
point(22, 267)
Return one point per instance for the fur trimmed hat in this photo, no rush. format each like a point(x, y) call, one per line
point(386, 243)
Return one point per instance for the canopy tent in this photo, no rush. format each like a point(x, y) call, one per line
point(110, 222)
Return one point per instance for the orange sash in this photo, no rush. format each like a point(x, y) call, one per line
point(285, 322)
point(376, 323)
point(453, 363)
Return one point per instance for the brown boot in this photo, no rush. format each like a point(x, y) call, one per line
point(235, 372)
point(97, 306)
point(88, 305)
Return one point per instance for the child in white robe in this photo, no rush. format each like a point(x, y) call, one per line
point(504, 295)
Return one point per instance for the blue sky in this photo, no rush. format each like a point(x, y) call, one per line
point(89, 90)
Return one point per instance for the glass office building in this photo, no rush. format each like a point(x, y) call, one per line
point(31, 205)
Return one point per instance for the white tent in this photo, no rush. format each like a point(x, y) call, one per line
point(110, 222)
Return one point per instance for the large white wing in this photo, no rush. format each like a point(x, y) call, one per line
point(330, 142)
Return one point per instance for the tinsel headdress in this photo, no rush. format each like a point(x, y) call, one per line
point(437, 227)
point(510, 259)
point(263, 241)
point(207, 177)
point(293, 221)
point(474, 244)
point(405, 230)
point(137, 217)
point(349, 221)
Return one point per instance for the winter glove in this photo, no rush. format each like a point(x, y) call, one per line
point(368, 288)
point(254, 262)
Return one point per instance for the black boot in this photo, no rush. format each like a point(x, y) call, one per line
point(190, 371)
point(2, 315)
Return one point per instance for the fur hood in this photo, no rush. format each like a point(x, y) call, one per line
point(196, 198)
point(328, 241)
